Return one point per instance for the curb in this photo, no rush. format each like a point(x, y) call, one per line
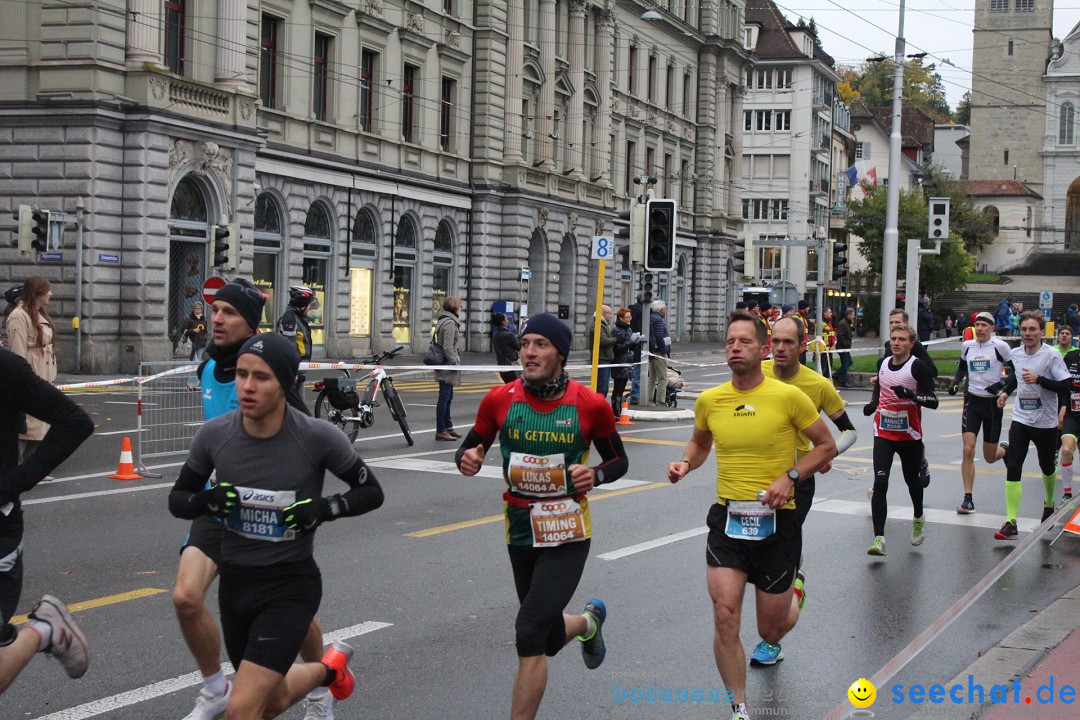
point(1018, 653)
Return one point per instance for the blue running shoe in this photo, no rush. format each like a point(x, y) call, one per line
point(766, 654)
point(592, 647)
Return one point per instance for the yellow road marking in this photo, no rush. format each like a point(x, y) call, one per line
point(653, 442)
point(99, 602)
point(496, 518)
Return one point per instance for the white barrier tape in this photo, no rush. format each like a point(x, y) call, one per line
point(96, 383)
point(934, 629)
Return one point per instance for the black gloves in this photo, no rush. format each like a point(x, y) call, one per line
point(868, 409)
point(903, 392)
point(306, 515)
point(220, 500)
point(995, 388)
point(954, 388)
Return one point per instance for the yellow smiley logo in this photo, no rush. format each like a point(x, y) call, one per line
point(862, 693)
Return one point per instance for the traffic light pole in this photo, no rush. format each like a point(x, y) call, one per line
point(915, 251)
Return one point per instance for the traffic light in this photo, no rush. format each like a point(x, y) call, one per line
point(839, 261)
point(647, 288)
point(221, 245)
point(23, 235)
point(738, 263)
point(660, 235)
point(939, 218)
point(233, 248)
point(631, 233)
point(40, 230)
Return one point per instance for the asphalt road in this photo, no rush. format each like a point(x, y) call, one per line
point(423, 586)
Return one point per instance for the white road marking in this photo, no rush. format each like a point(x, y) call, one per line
point(165, 687)
point(105, 474)
point(842, 507)
point(414, 464)
point(116, 432)
point(80, 496)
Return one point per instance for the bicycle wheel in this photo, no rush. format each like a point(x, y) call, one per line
point(323, 409)
point(397, 409)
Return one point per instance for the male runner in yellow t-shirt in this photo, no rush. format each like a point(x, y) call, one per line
point(754, 533)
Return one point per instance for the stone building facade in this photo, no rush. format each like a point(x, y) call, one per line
point(1061, 148)
point(385, 153)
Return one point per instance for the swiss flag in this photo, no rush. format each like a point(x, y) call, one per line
point(871, 175)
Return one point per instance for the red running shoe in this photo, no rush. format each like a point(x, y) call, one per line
point(337, 658)
point(1007, 532)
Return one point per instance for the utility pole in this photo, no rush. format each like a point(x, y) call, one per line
point(890, 248)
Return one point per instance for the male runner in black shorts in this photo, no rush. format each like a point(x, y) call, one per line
point(983, 360)
point(51, 628)
point(270, 460)
point(545, 422)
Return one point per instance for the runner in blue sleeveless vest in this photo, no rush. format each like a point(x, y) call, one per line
point(235, 316)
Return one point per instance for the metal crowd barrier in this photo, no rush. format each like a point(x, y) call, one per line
point(169, 411)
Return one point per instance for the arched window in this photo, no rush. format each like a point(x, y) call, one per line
point(318, 244)
point(365, 237)
point(994, 217)
point(269, 242)
point(443, 265)
point(189, 231)
point(404, 274)
point(1066, 116)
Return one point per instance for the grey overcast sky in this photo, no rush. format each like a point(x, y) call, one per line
point(942, 28)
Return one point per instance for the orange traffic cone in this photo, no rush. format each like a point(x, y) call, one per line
point(624, 418)
point(126, 469)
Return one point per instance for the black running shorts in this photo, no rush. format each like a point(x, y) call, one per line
point(266, 611)
point(1071, 426)
point(982, 412)
point(205, 534)
point(769, 564)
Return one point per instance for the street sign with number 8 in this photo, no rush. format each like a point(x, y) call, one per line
point(603, 247)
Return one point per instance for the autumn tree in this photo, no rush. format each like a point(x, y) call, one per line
point(873, 81)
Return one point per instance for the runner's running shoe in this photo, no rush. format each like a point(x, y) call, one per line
point(878, 548)
point(593, 649)
point(800, 588)
point(966, 507)
point(320, 708)
point(766, 654)
point(209, 706)
point(917, 535)
point(740, 715)
point(1047, 512)
point(1066, 498)
point(337, 658)
point(1004, 446)
point(924, 473)
point(67, 643)
point(1007, 532)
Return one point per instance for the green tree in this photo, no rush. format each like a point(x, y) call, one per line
point(963, 109)
point(923, 87)
point(938, 273)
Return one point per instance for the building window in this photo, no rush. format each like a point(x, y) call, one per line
point(761, 209)
point(1065, 124)
point(631, 158)
point(368, 62)
point(862, 151)
point(321, 76)
point(999, 6)
point(779, 209)
point(650, 160)
point(783, 120)
point(994, 217)
point(446, 113)
point(1025, 5)
point(669, 87)
point(769, 262)
point(783, 79)
point(745, 209)
point(764, 120)
point(1006, 157)
point(667, 175)
point(687, 96)
point(448, 6)
point(268, 60)
point(175, 30)
point(631, 70)
point(652, 78)
point(408, 114)
point(749, 82)
point(764, 79)
point(748, 120)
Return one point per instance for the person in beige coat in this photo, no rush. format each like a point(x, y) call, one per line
point(448, 337)
point(31, 333)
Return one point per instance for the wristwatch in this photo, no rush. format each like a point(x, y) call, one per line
point(793, 475)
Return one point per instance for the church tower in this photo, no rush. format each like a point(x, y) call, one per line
point(1008, 97)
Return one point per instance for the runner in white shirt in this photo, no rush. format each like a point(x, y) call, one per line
point(983, 360)
point(1039, 375)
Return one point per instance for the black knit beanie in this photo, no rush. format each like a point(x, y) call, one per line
point(246, 298)
point(279, 353)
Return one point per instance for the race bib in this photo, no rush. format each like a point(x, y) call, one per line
point(896, 420)
point(538, 475)
point(1030, 403)
point(556, 522)
point(979, 364)
point(749, 520)
point(259, 516)
point(1074, 401)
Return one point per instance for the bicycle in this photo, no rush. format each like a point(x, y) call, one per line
point(340, 404)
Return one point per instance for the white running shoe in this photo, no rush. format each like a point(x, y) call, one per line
point(209, 706)
point(321, 708)
point(67, 643)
